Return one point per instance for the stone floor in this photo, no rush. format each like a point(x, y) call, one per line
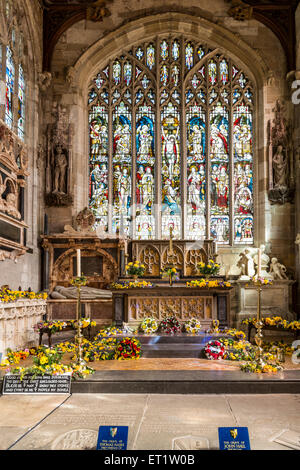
point(43, 422)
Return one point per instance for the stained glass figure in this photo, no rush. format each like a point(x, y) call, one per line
point(164, 75)
point(98, 190)
point(99, 81)
point(116, 71)
point(189, 56)
point(150, 56)
point(243, 175)
point(196, 173)
point(175, 50)
point(10, 82)
point(139, 53)
point(224, 71)
point(175, 75)
point(164, 50)
point(21, 103)
point(145, 175)
point(219, 157)
point(171, 205)
point(212, 72)
point(127, 73)
point(122, 164)
point(200, 52)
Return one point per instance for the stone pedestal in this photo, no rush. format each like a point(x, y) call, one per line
point(276, 300)
point(17, 320)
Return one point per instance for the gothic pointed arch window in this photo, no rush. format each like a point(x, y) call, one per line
point(171, 143)
point(12, 63)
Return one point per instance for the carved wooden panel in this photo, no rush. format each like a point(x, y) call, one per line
point(183, 308)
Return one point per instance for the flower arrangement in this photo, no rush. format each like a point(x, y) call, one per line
point(276, 321)
point(169, 272)
point(149, 325)
point(131, 285)
point(135, 269)
point(57, 326)
point(260, 281)
point(170, 325)
point(8, 295)
point(214, 350)
point(79, 281)
point(208, 269)
point(47, 361)
point(84, 323)
point(128, 348)
point(206, 283)
point(192, 326)
point(252, 366)
point(53, 326)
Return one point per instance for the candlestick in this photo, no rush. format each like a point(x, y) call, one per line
point(171, 240)
point(259, 263)
point(78, 263)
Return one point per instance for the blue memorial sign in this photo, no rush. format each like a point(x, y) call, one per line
point(234, 439)
point(112, 438)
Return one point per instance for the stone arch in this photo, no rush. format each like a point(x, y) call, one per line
point(231, 44)
point(61, 271)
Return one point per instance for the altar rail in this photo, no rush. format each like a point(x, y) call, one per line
point(17, 320)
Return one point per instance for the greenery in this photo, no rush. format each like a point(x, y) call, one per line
point(208, 269)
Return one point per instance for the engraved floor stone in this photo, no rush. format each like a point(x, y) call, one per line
point(190, 443)
point(160, 422)
point(79, 439)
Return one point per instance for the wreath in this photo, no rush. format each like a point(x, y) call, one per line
point(149, 325)
point(128, 348)
point(170, 325)
point(192, 326)
point(214, 350)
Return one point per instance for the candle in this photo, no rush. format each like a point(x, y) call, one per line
point(78, 263)
point(259, 263)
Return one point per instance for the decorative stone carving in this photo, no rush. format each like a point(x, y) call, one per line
point(156, 255)
point(17, 320)
point(13, 255)
point(13, 172)
point(281, 175)
point(277, 270)
point(246, 263)
point(58, 166)
point(240, 11)
point(85, 220)
point(97, 11)
point(44, 81)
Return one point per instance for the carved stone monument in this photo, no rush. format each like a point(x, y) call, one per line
point(281, 171)
point(59, 159)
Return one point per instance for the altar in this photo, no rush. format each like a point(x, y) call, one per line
point(132, 305)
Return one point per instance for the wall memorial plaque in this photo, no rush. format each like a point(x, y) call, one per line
point(41, 385)
point(234, 439)
point(112, 438)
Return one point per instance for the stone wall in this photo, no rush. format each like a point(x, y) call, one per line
point(28, 20)
point(17, 320)
point(84, 46)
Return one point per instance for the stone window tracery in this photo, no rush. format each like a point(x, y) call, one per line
point(171, 143)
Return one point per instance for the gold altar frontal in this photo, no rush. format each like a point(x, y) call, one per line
point(132, 305)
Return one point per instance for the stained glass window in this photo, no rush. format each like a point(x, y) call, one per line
point(171, 144)
point(10, 82)
point(21, 103)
